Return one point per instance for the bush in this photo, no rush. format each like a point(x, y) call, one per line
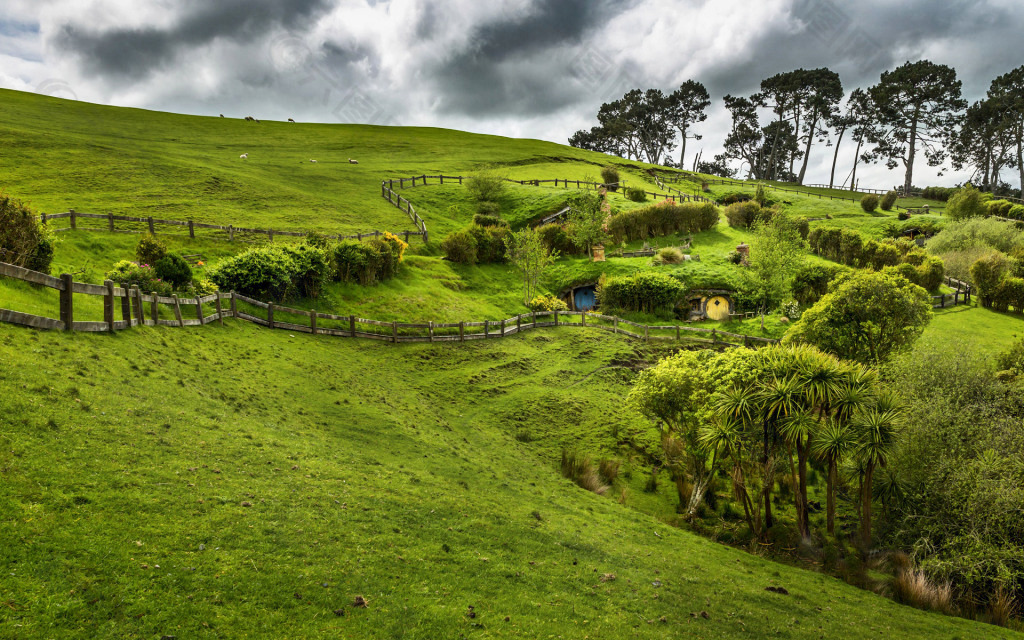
point(174, 269)
point(636, 194)
point(886, 255)
point(488, 221)
point(610, 178)
point(23, 241)
point(938, 193)
point(869, 203)
point(127, 273)
point(1009, 293)
point(733, 198)
point(261, 272)
point(812, 281)
point(742, 215)
point(999, 208)
point(555, 238)
point(662, 219)
point(149, 250)
point(670, 255)
point(986, 275)
point(851, 247)
point(547, 303)
point(888, 201)
point(643, 291)
point(204, 287)
point(487, 185)
point(903, 215)
point(460, 247)
point(930, 273)
point(310, 268)
point(967, 202)
point(490, 243)
point(803, 227)
point(488, 209)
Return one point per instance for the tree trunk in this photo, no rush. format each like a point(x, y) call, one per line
point(1020, 154)
point(807, 149)
point(768, 481)
point(796, 132)
point(830, 498)
point(835, 158)
point(700, 487)
point(682, 147)
point(739, 491)
point(865, 514)
point(801, 454)
point(856, 158)
point(775, 145)
point(908, 180)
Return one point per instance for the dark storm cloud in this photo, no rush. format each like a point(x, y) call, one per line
point(521, 63)
point(133, 53)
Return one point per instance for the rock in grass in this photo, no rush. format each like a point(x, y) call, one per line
point(778, 590)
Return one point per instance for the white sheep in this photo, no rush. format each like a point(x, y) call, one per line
point(244, 156)
point(313, 161)
point(351, 161)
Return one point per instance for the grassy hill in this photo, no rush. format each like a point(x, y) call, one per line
point(239, 482)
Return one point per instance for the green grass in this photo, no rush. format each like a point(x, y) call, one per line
point(985, 329)
point(423, 478)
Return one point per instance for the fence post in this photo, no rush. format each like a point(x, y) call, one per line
point(216, 304)
point(177, 310)
point(126, 306)
point(615, 324)
point(678, 332)
point(430, 329)
point(231, 233)
point(407, 237)
point(270, 234)
point(67, 309)
point(583, 318)
point(199, 310)
point(151, 231)
point(487, 327)
point(502, 328)
point(746, 341)
point(270, 315)
point(154, 309)
point(191, 230)
point(42, 218)
point(714, 337)
point(110, 221)
point(312, 321)
point(108, 305)
point(462, 325)
point(647, 332)
point(426, 238)
point(234, 305)
point(556, 317)
point(140, 313)
point(519, 323)
point(74, 220)
point(352, 325)
point(394, 332)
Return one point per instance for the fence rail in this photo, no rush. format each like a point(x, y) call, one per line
point(125, 307)
point(767, 185)
point(962, 292)
point(150, 225)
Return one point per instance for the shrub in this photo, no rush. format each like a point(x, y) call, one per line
point(555, 238)
point(149, 250)
point(1009, 293)
point(488, 209)
point(610, 178)
point(486, 185)
point(261, 272)
point(636, 194)
point(608, 470)
point(23, 241)
point(661, 219)
point(490, 243)
point(317, 239)
point(488, 221)
point(812, 281)
point(643, 291)
point(127, 273)
point(803, 227)
point(967, 202)
point(903, 215)
point(460, 247)
point(885, 255)
point(851, 246)
point(733, 197)
point(938, 193)
point(986, 274)
point(1016, 212)
point(204, 287)
point(580, 469)
point(888, 201)
point(930, 273)
point(670, 255)
point(761, 196)
point(174, 269)
point(869, 203)
point(742, 215)
point(310, 268)
point(547, 303)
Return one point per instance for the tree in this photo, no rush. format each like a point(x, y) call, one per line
point(588, 211)
point(776, 252)
point(858, 118)
point(745, 137)
point(1008, 92)
point(528, 253)
point(876, 443)
point(868, 318)
point(780, 93)
point(717, 167)
point(984, 143)
point(686, 107)
point(786, 145)
point(917, 105)
point(821, 91)
point(635, 126)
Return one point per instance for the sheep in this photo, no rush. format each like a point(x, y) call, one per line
point(222, 115)
point(291, 120)
point(313, 161)
point(351, 161)
point(244, 156)
point(248, 118)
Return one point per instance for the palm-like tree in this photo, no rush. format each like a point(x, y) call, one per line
point(877, 432)
point(778, 402)
point(724, 437)
point(834, 441)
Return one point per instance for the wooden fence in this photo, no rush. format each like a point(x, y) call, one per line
point(820, 196)
point(125, 307)
point(962, 292)
point(142, 225)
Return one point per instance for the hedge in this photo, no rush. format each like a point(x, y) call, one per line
point(662, 219)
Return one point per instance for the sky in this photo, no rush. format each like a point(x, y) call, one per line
point(522, 68)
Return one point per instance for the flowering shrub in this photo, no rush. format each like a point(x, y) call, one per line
point(150, 250)
point(128, 273)
point(547, 303)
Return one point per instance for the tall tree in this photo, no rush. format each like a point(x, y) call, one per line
point(781, 94)
point(821, 91)
point(745, 138)
point(686, 107)
point(1008, 91)
point(877, 433)
point(865, 130)
point(781, 138)
point(918, 105)
point(984, 143)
